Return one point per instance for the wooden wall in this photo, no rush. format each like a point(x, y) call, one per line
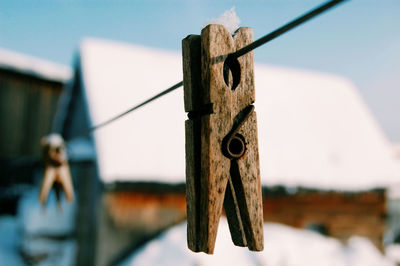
point(341, 214)
point(27, 108)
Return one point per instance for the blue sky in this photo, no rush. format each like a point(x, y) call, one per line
point(359, 39)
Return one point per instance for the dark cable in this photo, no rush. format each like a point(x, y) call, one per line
point(287, 27)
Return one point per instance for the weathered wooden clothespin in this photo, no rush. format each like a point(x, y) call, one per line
point(222, 161)
point(56, 173)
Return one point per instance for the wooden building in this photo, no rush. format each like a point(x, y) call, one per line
point(325, 163)
point(29, 91)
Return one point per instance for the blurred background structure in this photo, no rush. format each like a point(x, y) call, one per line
point(30, 89)
point(326, 102)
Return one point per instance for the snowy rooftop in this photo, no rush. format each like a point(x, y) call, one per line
point(34, 66)
point(314, 129)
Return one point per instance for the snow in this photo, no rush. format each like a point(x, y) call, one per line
point(393, 252)
point(36, 221)
point(61, 253)
point(34, 66)
point(116, 77)
point(314, 129)
point(54, 140)
point(9, 241)
point(396, 151)
point(284, 246)
point(35, 233)
point(228, 19)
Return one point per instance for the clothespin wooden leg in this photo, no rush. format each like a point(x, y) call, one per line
point(218, 90)
point(248, 192)
point(66, 181)
point(48, 180)
point(195, 184)
point(232, 207)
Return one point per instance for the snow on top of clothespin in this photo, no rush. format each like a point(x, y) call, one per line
point(228, 19)
point(53, 140)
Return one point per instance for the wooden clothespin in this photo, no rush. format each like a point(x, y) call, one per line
point(222, 161)
point(56, 173)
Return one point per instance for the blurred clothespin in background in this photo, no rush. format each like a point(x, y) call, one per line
point(222, 161)
point(56, 172)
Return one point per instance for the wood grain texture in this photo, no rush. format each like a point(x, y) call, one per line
point(192, 191)
point(215, 42)
point(27, 104)
point(191, 54)
point(250, 176)
point(213, 180)
point(248, 165)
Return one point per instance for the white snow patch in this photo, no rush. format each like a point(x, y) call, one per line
point(393, 252)
point(36, 221)
point(361, 252)
point(316, 131)
point(9, 241)
point(53, 140)
point(61, 253)
point(34, 66)
point(117, 76)
point(284, 246)
point(228, 19)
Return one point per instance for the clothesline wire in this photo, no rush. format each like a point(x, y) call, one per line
point(287, 27)
point(164, 92)
point(259, 42)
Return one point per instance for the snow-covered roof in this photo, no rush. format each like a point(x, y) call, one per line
point(283, 246)
point(34, 66)
point(314, 129)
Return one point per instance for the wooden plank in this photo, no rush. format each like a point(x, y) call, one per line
point(250, 176)
point(216, 43)
point(248, 165)
point(27, 105)
point(191, 55)
point(191, 69)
